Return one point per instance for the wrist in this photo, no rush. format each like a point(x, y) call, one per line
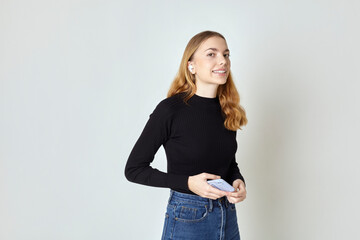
point(189, 182)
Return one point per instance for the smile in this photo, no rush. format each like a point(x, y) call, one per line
point(219, 71)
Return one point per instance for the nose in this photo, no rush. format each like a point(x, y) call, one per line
point(222, 60)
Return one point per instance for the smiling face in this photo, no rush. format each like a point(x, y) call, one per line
point(211, 63)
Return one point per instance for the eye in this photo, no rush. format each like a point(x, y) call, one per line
point(227, 55)
point(211, 54)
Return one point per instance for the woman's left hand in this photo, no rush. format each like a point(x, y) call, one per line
point(240, 192)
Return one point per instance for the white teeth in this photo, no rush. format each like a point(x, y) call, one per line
point(219, 71)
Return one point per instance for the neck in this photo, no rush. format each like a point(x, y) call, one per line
point(209, 90)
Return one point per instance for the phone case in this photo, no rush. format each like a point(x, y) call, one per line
point(221, 184)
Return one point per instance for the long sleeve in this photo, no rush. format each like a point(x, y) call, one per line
point(234, 172)
point(155, 133)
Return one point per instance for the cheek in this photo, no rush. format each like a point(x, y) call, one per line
point(207, 67)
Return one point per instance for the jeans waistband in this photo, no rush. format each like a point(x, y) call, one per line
point(174, 195)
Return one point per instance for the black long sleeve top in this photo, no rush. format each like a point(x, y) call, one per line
point(195, 141)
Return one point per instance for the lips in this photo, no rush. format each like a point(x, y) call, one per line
point(219, 71)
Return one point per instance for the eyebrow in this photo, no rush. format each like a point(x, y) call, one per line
point(215, 49)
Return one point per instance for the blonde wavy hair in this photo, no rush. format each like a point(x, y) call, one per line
point(229, 98)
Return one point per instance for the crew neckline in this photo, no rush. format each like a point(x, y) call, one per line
point(205, 99)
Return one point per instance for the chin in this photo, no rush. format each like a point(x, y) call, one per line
point(221, 81)
point(217, 81)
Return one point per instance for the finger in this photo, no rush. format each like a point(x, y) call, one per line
point(217, 191)
point(230, 199)
point(241, 187)
point(236, 200)
point(240, 190)
point(216, 196)
point(212, 196)
point(236, 185)
point(237, 194)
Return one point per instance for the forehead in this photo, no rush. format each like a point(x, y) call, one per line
point(214, 42)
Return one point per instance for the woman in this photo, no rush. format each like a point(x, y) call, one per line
point(197, 125)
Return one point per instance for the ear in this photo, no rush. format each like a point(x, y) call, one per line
point(192, 68)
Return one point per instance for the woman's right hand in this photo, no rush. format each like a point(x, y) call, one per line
point(198, 184)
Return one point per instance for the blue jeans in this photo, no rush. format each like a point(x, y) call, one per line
point(193, 217)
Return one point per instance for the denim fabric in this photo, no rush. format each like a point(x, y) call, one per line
point(194, 217)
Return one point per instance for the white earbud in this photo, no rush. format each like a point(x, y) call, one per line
point(190, 68)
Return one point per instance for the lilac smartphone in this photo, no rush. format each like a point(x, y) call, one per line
point(221, 184)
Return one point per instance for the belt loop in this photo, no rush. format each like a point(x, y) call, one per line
point(226, 202)
point(171, 194)
point(210, 205)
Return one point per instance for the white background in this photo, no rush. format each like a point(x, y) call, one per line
point(78, 80)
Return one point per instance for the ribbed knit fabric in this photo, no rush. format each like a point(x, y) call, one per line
point(195, 141)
